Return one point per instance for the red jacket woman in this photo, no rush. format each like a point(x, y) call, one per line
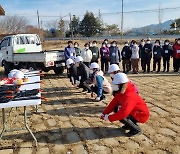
point(132, 109)
point(131, 104)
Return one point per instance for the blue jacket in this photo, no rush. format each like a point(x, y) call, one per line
point(114, 55)
point(99, 80)
point(69, 52)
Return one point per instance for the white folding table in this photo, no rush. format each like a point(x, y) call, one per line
point(22, 103)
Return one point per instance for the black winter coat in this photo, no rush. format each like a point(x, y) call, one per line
point(167, 51)
point(83, 71)
point(157, 52)
point(147, 51)
point(126, 52)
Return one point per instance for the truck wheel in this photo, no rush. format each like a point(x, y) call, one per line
point(7, 68)
point(58, 70)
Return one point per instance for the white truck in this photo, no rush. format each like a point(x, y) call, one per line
point(25, 51)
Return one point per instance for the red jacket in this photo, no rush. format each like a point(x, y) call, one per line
point(131, 104)
point(176, 51)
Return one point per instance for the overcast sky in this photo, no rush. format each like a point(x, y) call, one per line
point(51, 10)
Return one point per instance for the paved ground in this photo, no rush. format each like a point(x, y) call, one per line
point(69, 123)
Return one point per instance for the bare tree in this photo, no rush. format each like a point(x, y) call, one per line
point(13, 24)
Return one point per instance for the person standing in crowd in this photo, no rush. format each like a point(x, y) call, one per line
point(104, 52)
point(69, 51)
point(141, 56)
point(126, 55)
point(95, 52)
point(135, 58)
point(114, 53)
point(130, 109)
point(86, 54)
point(176, 55)
point(157, 54)
point(72, 71)
point(131, 45)
point(82, 74)
point(147, 54)
point(167, 53)
point(100, 85)
point(106, 41)
point(77, 49)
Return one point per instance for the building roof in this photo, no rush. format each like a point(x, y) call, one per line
point(2, 12)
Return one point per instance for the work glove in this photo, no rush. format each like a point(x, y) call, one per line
point(105, 117)
point(77, 82)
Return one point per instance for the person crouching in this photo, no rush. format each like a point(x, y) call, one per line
point(72, 71)
point(100, 83)
point(132, 109)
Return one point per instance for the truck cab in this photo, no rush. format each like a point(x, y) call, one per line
point(25, 51)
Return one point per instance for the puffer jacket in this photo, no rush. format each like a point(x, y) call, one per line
point(135, 52)
point(114, 55)
point(131, 104)
point(106, 85)
point(176, 51)
point(157, 52)
point(86, 54)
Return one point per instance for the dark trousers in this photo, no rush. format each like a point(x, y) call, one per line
point(84, 85)
point(125, 64)
point(142, 62)
point(104, 64)
point(147, 62)
point(95, 90)
point(130, 64)
point(129, 121)
point(166, 63)
point(87, 63)
point(94, 61)
point(176, 64)
point(158, 62)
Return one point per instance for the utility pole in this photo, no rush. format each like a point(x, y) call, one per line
point(71, 26)
point(160, 20)
point(122, 16)
point(38, 19)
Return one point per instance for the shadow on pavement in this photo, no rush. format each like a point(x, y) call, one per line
point(69, 135)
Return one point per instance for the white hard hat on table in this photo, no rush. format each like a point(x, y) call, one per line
point(78, 59)
point(19, 75)
point(94, 65)
point(113, 68)
point(120, 78)
point(69, 62)
point(12, 72)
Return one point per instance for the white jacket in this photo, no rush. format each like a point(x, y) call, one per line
point(135, 52)
point(86, 55)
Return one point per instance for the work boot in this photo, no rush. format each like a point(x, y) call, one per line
point(125, 127)
point(133, 132)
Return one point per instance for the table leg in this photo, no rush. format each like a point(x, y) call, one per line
point(27, 127)
point(3, 123)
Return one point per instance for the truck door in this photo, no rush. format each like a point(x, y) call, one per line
point(6, 50)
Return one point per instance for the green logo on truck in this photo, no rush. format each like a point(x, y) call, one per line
point(22, 50)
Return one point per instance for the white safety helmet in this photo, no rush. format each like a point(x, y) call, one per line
point(69, 62)
point(94, 65)
point(11, 73)
point(78, 59)
point(19, 75)
point(120, 78)
point(113, 68)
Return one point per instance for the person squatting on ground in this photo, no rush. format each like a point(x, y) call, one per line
point(104, 52)
point(83, 74)
point(132, 109)
point(157, 54)
point(95, 52)
point(69, 51)
point(147, 55)
point(135, 58)
point(100, 85)
point(114, 53)
point(72, 71)
point(166, 54)
point(126, 55)
point(176, 55)
point(86, 54)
